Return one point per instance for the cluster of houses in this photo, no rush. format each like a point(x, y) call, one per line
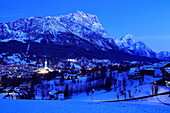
point(17, 66)
point(160, 70)
point(23, 91)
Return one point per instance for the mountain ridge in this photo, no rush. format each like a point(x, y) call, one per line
point(78, 29)
point(51, 27)
point(139, 48)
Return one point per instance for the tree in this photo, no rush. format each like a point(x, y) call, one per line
point(50, 75)
point(108, 84)
point(83, 71)
point(81, 87)
point(71, 90)
point(121, 69)
point(36, 79)
point(4, 80)
point(66, 91)
point(32, 88)
point(43, 91)
point(87, 88)
point(62, 78)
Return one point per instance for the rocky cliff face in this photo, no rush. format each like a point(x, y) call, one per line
point(81, 29)
point(164, 55)
point(76, 30)
point(130, 45)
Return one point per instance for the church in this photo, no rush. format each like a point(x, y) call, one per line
point(45, 69)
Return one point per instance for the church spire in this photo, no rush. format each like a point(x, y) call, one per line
point(45, 64)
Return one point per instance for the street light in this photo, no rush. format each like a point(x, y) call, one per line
point(92, 95)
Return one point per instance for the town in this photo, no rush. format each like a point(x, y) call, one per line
point(30, 77)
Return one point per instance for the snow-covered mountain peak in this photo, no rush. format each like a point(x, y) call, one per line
point(141, 44)
point(128, 39)
point(65, 29)
point(130, 45)
point(90, 21)
point(86, 16)
point(164, 55)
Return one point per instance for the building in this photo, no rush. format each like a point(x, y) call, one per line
point(166, 71)
point(166, 74)
point(158, 72)
point(59, 95)
point(45, 69)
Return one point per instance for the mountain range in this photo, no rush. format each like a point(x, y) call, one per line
point(130, 45)
point(76, 34)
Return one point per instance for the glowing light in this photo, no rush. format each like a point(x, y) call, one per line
point(44, 70)
point(71, 60)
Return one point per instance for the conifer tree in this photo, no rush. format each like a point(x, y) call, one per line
point(108, 84)
point(66, 91)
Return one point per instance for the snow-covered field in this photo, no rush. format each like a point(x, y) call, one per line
point(78, 106)
point(82, 103)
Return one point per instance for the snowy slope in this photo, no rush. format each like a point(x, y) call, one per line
point(82, 103)
point(130, 45)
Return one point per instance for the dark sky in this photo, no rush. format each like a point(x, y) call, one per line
point(147, 20)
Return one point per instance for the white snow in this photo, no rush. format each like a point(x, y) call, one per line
point(28, 47)
point(129, 44)
point(89, 104)
point(78, 105)
point(21, 39)
point(5, 40)
point(163, 54)
point(38, 40)
point(168, 70)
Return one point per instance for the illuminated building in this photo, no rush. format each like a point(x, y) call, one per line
point(44, 70)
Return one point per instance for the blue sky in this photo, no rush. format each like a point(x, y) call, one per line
point(147, 20)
